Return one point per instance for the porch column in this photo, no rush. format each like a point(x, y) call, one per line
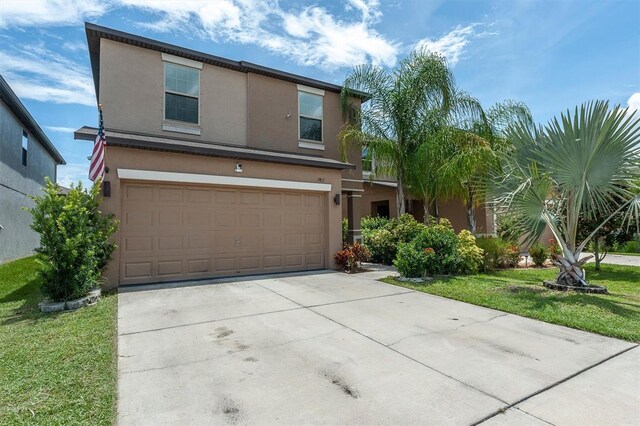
point(354, 212)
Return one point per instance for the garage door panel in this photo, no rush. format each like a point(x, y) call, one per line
point(198, 196)
point(170, 267)
point(314, 260)
point(225, 265)
point(173, 232)
point(198, 219)
point(250, 220)
point(313, 219)
point(198, 266)
point(198, 241)
point(272, 261)
point(271, 200)
point(170, 194)
point(249, 198)
point(272, 219)
point(224, 219)
point(137, 270)
point(169, 217)
point(137, 219)
point(294, 240)
point(139, 193)
point(225, 197)
point(313, 201)
point(293, 260)
point(293, 219)
point(170, 243)
point(313, 239)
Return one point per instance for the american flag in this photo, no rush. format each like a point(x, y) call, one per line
point(96, 169)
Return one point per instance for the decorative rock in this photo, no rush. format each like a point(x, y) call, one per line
point(414, 280)
point(71, 305)
point(597, 289)
point(48, 307)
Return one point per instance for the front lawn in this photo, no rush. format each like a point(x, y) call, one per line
point(54, 368)
point(520, 291)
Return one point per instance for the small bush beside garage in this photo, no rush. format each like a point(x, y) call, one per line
point(74, 241)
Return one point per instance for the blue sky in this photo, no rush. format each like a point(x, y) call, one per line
point(552, 55)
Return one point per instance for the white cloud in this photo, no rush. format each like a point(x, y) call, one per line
point(76, 46)
point(634, 101)
point(59, 129)
point(72, 173)
point(34, 72)
point(310, 36)
point(38, 13)
point(453, 44)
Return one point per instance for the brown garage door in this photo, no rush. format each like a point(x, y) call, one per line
point(178, 232)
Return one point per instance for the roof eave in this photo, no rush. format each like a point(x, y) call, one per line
point(21, 112)
point(209, 149)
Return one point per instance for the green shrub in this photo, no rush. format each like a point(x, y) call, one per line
point(632, 246)
point(382, 246)
point(470, 256)
point(539, 254)
point(498, 253)
point(382, 236)
point(345, 230)
point(74, 240)
point(412, 262)
point(442, 239)
point(351, 256)
point(370, 223)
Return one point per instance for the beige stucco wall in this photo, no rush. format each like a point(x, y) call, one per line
point(269, 126)
point(128, 158)
point(132, 95)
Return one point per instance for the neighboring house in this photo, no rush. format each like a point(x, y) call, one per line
point(379, 199)
point(27, 156)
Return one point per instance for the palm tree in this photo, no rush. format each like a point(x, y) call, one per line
point(401, 102)
point(577, 165)
point(454, 159)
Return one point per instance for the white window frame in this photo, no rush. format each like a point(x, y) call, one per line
point(176, 125)
point(309, 143)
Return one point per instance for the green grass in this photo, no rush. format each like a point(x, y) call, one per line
point(55, 369)
point(625, 254)
point(520, 291)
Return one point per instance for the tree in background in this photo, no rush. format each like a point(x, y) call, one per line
point(615, 232)
point(402, 103)
point(583, 164)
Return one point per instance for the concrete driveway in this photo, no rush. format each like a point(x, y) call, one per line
point(331, 348)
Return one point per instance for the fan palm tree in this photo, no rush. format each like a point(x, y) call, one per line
point(577, 165)
point(401, 103)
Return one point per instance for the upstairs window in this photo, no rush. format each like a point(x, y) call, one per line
point(182, 93)
point(25, 147)
point(310, 116)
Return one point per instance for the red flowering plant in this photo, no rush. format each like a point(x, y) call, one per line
point(554, 248)
point(351, 256)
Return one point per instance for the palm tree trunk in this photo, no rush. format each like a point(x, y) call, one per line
point(400, 197)
point(471, 213)
point(437, 211)
point(425, 205)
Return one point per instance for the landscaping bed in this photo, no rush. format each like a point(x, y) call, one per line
point(520, 291)
point(54, 368)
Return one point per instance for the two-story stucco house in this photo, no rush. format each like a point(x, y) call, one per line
point(27, 156)
point(219, 167)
